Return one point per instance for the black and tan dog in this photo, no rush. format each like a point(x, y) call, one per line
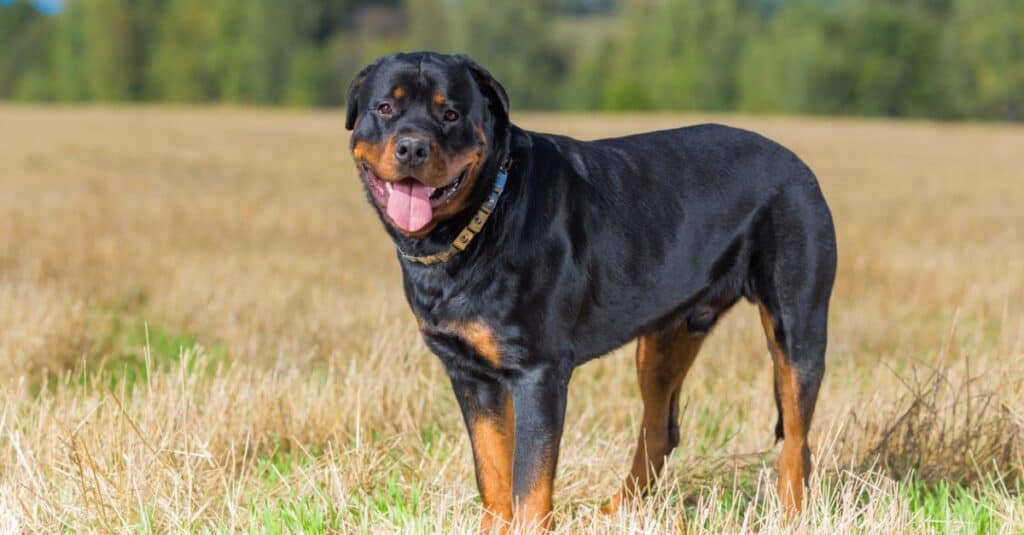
point(525, 255)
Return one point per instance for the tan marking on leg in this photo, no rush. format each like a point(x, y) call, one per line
point(793, 464)
point(493, 447)
point(792, 474)
point(535, 510)
point(663, 360)
point(480, 337)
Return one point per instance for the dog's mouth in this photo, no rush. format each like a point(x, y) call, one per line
point(409, 203)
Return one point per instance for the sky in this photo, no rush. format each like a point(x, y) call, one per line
point(47, 6)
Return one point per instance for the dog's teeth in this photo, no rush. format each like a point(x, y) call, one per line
point(387, 186)
point(431, 191)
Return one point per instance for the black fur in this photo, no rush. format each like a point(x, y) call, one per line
point(595, 243)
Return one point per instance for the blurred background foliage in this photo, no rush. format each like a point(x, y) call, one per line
point(950, 59)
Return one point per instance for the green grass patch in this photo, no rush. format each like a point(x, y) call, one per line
point(949, 507)
point(133, 349)
point(941, 508)
point(295, 515)
point(394, 502)
point(283, 459)
point(716, 430)
point(146, 521)
point(434, 444)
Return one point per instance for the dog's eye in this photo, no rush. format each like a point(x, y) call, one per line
point(384, 108)
point(451, 116)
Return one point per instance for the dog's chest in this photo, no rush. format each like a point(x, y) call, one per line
point(470, 318)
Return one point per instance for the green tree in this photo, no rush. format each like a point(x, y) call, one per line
point(429, 24)
point(777, 69)
point(681, 54)
point(307, 79)
point(25, 39)
point(264, 47)
point(532, 74)
point(117, 33)
point(181, 68)
point(70, 64)
point(894, 51)
point(586, 85)
point(986, 41)
point(934, 58)
point(701, 47)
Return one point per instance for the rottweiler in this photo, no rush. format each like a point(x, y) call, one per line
point(525, 255)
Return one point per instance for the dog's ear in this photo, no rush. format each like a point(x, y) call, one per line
point(352, 103)
point(490, 87)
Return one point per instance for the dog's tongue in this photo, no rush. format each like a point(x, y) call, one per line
point(409, 205)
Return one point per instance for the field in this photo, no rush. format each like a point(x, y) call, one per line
point(202, 328)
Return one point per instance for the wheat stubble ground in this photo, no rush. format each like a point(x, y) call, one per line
point(202, 327)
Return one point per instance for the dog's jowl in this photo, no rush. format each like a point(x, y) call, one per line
point(524, 255)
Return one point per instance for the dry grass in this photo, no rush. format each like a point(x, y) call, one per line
point(201, 326)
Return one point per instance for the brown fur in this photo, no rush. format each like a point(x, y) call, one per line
point(471, 161)
point(534, 510)
point(380, 156)
point(481, 338)
point(493, 446)
point(794, 461)
point(662, 360)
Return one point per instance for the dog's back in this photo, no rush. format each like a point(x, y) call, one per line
point(667, 225)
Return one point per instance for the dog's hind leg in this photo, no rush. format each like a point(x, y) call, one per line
point(797, 383)
point(662, 361)
point(793, 279)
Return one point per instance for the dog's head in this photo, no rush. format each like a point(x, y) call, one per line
point(424, 125)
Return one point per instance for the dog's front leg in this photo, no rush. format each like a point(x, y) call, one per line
point(487, 409)
point(539, 397)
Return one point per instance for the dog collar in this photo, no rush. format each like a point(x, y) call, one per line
point(471, 230)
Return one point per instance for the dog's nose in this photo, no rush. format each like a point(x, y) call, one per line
point(411, 151)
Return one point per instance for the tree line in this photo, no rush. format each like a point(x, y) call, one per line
point(950, 59)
